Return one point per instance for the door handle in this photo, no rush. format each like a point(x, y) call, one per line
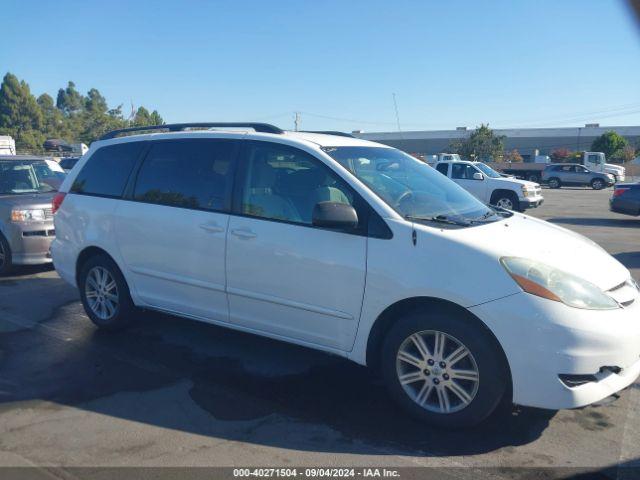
point(211, 227)
point(243, 233)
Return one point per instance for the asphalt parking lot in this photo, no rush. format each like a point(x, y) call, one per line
point(171, 392)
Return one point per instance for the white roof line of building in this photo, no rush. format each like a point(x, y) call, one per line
point(508, 132)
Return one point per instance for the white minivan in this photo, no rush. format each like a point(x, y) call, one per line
point(354, 248)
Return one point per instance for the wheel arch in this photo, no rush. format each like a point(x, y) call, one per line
point(503, 191)
point(385, 320)
point(92, 251)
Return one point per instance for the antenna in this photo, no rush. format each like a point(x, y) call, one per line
point(296, 121)
point(395, 105)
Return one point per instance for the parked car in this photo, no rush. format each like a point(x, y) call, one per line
point(353, 248)
point(565, 174)
point(27, 186)
point(626, 199)
point(57, 145)
point(67, 163)
point(490, 186)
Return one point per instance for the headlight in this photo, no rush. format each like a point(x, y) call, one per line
point(30, 215)
point(547, 282)
point(527, 191)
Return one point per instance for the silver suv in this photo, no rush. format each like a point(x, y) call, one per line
point(557, 175)
point(27, 186)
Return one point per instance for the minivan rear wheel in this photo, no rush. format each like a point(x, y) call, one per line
point(6, 264)
point(105, 294)
point(443, 369)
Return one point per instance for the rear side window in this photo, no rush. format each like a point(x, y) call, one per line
point(107, 170)
point(188, 173)
point(443, 168)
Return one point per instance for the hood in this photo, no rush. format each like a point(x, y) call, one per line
point(516, 182)
point(615, 168)
point(27, 199)
point(528, 237)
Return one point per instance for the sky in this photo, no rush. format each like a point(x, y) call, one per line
point(538, 63)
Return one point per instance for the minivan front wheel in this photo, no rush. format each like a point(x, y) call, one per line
point(105, 294)
point(443, 369)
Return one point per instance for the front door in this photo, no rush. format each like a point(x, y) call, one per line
point(172, 229)
point(462, 174)
point(286, 277)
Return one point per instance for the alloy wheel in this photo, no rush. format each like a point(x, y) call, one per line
point(437, 371)
point(505, 203)
point(101, 292)
point(598, 184)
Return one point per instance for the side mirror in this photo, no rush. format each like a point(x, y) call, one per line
point(334, 215)
point(478, 176)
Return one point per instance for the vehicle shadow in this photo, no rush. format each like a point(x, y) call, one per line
point(212, 381)
point(628, 259)
point(627, 222)
point(20, 271)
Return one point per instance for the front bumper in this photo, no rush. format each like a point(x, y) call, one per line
point(532, 202)
point(30, 242)
point(543, 339)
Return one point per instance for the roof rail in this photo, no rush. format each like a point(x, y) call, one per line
point(178, 127)
point(330, 132)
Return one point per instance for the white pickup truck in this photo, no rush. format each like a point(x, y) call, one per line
point(491, 187)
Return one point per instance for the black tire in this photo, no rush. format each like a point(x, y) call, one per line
point(597, 184)
point(534, 178)
point(493, 373)
point(506, 199)
point(554, 182)
point(124, 310)
point(6, 263)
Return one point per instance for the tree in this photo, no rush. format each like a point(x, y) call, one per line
point(627, 154)
point(20, 114)
point(482, 144)
point(72, 117)
point(560, 155)
point(610, 143)
point(95, 102)
point(513, 156)
point(53, 121)
point(143, 118)
point(69, 100)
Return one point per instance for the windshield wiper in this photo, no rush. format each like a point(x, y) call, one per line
point(438, 219)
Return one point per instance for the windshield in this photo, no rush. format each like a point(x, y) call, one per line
point(487, 170)
point(412, 188)
point(28, 177)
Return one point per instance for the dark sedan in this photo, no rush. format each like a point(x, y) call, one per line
point(626, 199)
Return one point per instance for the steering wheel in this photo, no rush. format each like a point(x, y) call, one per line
point(404, 197)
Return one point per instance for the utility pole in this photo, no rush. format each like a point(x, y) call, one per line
point(395, 105)
point(296, 120)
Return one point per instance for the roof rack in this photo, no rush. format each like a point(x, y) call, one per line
point(330, 132)
point(179, 127)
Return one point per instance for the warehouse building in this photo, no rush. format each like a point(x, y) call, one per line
point(528, 141)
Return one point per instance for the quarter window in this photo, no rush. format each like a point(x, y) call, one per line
point(285, 183)
point(107, 170)
point(195, 173)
